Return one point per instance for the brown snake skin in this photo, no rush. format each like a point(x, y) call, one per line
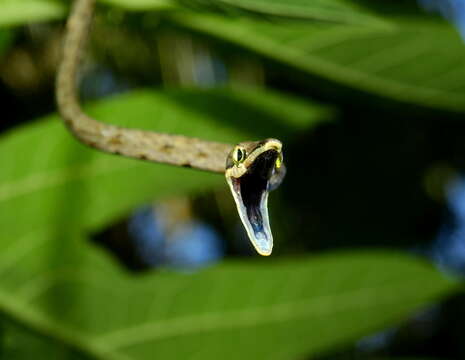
point(146, 145)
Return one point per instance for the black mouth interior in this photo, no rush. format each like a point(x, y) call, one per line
point(254, 183)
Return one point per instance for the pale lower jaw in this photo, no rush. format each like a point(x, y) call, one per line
point(254, 217)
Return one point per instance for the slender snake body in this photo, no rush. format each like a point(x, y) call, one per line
point(251, 168)
point(158, 147)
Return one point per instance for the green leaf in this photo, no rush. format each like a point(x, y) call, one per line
point(6, 38)
point(417, 61)
point(53, 189)
point(139, 5)
point(61, 294)
point(14, 12)
point(49, 168)
point(344, 11)
point(268, 309)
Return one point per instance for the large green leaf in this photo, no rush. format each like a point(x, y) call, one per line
point(62, 295)
point(14, 12)
point(72, 295)
point(49, 168)
point(52, 189)
point(345, 11)
point(416, 61)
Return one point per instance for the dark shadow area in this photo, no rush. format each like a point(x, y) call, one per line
point(117, 241)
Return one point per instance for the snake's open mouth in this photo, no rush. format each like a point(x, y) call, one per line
point(250, 192)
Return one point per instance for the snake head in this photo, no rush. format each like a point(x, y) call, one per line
point(252, 170)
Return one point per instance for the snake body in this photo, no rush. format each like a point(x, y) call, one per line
point(146, 145)
point(252, 168)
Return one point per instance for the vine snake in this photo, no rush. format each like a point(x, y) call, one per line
point(252, 168)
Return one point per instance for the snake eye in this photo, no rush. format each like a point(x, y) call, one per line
point(279, 161)
point(238, 155)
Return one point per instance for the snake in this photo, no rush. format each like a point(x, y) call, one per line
point(252, 168)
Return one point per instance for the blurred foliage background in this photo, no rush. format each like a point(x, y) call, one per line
point(103, 257)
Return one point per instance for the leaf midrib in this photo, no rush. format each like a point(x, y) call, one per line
point(317, 306)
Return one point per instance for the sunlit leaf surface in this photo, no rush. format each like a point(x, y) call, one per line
point(14, 12)
point(141, 4)
point(84, 304)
